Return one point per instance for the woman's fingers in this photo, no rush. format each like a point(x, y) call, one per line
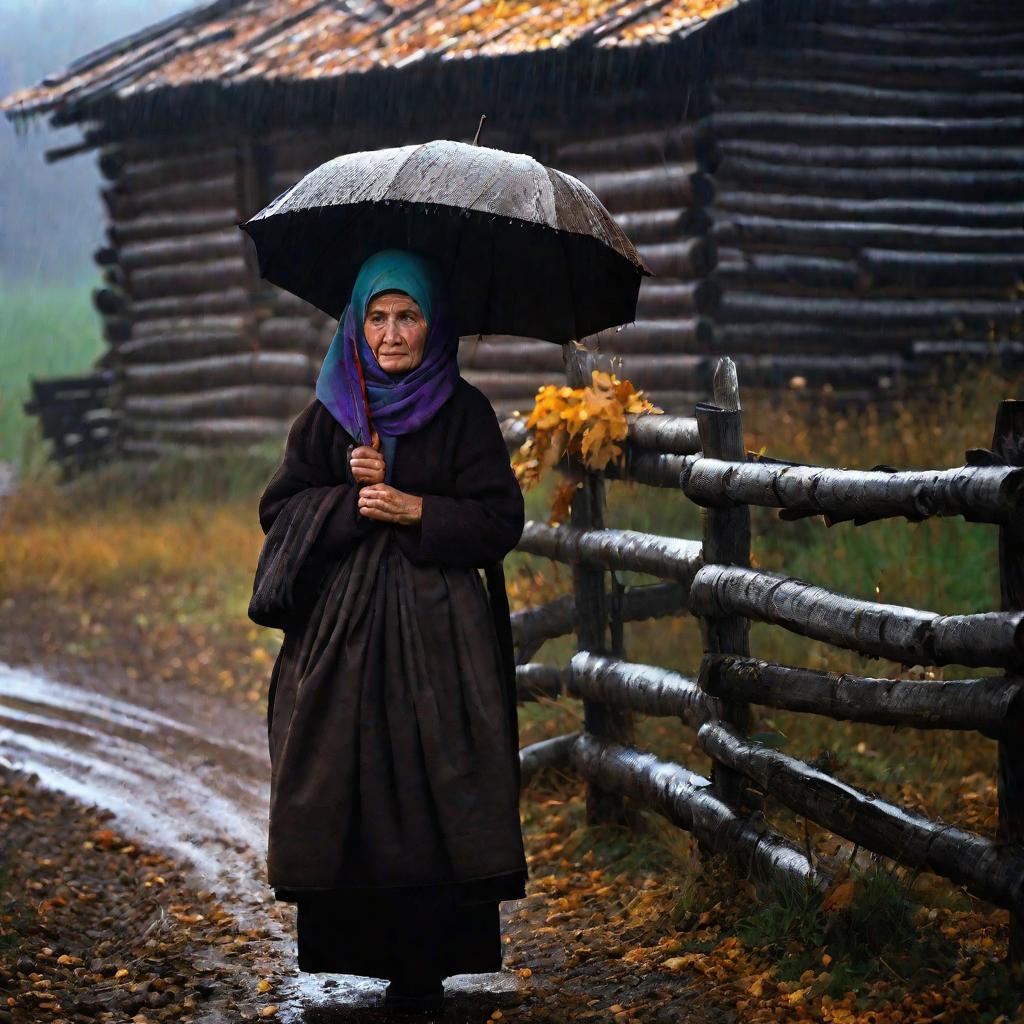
point(375, 512)
point(380, 514)
point(363, 452)
point(380, 503)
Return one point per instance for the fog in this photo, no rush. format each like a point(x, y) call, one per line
point(51, 215)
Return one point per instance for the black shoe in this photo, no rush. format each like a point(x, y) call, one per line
point(410, 1001)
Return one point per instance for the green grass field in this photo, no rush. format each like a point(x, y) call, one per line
point(45, 331)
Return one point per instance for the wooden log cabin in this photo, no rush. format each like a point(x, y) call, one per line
point(831, 192)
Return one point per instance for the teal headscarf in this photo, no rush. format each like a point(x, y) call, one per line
point(399, 403)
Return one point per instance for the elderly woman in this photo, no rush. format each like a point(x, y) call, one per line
point(394, 811)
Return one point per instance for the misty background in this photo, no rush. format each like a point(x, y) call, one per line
point(51, 215)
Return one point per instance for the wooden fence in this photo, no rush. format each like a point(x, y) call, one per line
point(76, 418)
point(712, 579)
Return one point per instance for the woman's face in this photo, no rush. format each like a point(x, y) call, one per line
point(396, 331)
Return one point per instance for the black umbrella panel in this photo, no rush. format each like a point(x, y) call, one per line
point(527, 250)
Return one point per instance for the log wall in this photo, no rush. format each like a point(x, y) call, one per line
point(655, 179)
point(870, 196)
point(182, 308)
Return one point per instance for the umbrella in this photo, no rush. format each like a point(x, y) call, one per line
point(528, 250)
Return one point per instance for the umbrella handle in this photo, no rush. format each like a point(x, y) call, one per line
point(374, 436)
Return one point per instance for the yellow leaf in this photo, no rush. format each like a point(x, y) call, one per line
point(839, 896)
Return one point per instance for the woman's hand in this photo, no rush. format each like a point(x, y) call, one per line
point(390, 505)
point(367, 465)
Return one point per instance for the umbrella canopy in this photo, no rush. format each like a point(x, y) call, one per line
point(528, 251)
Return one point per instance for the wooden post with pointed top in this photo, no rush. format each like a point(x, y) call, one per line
point(726, 542)
point(1008, 446)
point(592, 612)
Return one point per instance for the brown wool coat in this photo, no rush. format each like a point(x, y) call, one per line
point(392, 717)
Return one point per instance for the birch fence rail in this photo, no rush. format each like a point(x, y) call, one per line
point(711, 578)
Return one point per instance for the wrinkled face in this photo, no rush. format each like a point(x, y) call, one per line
point(396, 331)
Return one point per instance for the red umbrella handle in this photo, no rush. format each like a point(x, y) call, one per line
point(362, 389)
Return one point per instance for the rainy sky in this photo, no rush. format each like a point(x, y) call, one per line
point(51, 217)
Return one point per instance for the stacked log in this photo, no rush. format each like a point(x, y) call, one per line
point(655, 179)
point(197, 367)
point(868, 193)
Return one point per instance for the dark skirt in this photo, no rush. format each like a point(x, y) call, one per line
point(413, 935)
point(393, 733)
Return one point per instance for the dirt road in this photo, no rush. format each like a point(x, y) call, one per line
point(188, 774)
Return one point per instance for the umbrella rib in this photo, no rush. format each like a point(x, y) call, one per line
point(401, 167)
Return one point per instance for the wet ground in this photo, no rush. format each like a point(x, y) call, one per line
point(187, 773)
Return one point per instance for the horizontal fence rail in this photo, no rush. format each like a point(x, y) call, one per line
point(704, 457)
point(664, 435)
point(555, 618)
point(984, 494)
point(534, 681)
point(644, 688)
point(687, 799)
point(987, 869)
point(620, 550)
point(653, 453)
point(993, 705)
point(906, 635)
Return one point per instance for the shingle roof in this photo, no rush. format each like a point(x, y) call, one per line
point(234, 42)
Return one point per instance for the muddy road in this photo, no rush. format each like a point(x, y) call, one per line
point(188, 774)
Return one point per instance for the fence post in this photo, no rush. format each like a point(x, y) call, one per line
point(726, 542)
point(1008, 447)
point(592, 613)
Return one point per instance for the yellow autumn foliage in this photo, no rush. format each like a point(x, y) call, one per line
point(589, 422)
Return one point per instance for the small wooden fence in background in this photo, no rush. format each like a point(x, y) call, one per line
point(76, 418)
point(711, 578)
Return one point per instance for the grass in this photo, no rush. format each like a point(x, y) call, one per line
point(45, 331)
point(132, 523)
